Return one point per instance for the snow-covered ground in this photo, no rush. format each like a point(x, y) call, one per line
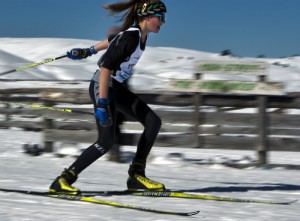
point(157, 65)
point(177, 168)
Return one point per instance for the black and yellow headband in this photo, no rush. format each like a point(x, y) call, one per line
point(151, 9)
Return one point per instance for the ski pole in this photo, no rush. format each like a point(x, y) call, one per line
point(33, 65)
point(36, 106)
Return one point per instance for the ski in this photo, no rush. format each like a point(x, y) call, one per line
point(209, 197)
point(82, 198)
point(167, 193)
point(177, 194)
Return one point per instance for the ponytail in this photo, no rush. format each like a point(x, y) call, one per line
point(129, 10)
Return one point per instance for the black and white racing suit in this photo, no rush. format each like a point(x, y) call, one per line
point(124, 51)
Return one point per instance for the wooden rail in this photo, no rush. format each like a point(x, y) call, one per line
point(220, 122)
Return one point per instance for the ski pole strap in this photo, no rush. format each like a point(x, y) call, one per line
point(33, 65)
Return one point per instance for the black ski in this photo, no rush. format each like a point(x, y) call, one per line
point(83, 198)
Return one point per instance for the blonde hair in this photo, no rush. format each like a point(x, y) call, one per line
point(129, 10)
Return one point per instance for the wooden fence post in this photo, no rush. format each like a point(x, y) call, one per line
point(48, 124)
point(197, 103)
point(48, 145)
point(7, 116)
point(263, 125)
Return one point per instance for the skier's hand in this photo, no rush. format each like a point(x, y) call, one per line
point(103, 114)
point(80, 53)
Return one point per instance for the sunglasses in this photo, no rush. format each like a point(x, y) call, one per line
point(162, 17)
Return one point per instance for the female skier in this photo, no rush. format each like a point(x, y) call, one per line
point(109, 95)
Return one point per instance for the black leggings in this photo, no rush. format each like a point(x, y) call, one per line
point(124, 101)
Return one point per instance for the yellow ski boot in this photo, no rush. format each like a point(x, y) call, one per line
point(62, 184)
point(137, 180)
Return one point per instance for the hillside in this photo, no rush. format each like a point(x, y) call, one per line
point(157, 64)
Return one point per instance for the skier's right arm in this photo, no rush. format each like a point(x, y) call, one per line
point(80, 53)
point(101, 45)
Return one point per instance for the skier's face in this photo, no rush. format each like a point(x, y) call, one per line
point(155, 22)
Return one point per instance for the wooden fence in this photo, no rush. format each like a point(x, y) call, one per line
point(211, 121)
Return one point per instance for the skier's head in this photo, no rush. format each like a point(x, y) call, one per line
point(137, 10)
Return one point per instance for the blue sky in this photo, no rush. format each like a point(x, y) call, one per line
point(246, 27)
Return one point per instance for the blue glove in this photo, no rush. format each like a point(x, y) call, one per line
point(103, 114)
point(79, 53)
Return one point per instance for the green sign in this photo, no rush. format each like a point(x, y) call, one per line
point(230, 68)
point(227, 87)
point(184, 84)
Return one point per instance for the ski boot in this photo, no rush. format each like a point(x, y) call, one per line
point(137, 180)
point(62, 184)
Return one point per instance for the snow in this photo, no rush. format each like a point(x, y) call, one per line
point(157, 65)
point(177, 168)
point(192, 170)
